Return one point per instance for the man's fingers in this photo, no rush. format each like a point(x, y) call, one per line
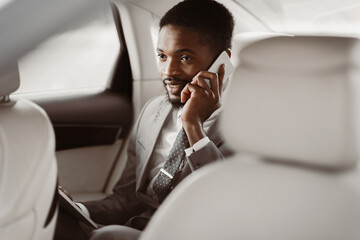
point(188, 90)
point(185, 94)
point(200, 80)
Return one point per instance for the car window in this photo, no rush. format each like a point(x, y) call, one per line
point(82, 56)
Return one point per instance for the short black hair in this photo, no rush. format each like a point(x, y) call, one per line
point(211, 19)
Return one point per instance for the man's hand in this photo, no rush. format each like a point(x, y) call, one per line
point(201, 102)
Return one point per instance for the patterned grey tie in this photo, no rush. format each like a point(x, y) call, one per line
point(162, 184)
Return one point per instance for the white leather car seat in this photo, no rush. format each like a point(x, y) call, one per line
point(28, 170)
point(292, 115)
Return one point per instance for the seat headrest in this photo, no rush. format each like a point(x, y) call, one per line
point(297, 99)
point(9, 80)
point(242, 40)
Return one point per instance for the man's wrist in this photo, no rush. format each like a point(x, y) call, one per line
point(197, 146)
point(194, 131)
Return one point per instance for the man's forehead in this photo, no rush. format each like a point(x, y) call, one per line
point(180, 38)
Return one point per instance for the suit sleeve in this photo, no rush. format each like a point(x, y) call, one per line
point(213, 151)
point(205, 155)
point(123, 203)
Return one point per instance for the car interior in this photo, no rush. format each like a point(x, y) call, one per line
point(27, 145)
point(74, 77)
point(288, 187)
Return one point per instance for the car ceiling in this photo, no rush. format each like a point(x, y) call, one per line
point(289, 16)
point(292, 16)
point(307, 15)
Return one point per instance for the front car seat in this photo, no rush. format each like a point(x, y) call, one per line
point(292, 114)
point(28, 169)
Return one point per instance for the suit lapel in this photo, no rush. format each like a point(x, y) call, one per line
point(155, 124)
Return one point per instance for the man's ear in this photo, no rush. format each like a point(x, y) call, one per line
point(228, 51)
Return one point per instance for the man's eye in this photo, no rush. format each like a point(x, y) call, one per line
point(185, 58)
point(161, 56)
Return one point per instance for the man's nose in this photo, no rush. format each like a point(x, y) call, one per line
point(171, 68)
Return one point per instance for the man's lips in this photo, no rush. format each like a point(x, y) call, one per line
point(175, 86)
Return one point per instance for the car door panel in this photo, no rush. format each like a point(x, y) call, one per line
point(91, 119)
point(91, 128)
point(85, 171)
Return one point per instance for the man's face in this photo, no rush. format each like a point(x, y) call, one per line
point(181, 56)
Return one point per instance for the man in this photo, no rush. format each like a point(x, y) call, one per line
point(192, 34)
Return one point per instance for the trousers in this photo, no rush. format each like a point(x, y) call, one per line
point(69, 228)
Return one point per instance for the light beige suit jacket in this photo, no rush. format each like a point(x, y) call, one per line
point(129, 194)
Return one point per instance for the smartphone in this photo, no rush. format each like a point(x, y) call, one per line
point(70, 207)
point(223, 58)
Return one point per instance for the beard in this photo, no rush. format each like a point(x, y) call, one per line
point(175, 102)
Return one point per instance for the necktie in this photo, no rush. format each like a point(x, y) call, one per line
point(162, 184)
